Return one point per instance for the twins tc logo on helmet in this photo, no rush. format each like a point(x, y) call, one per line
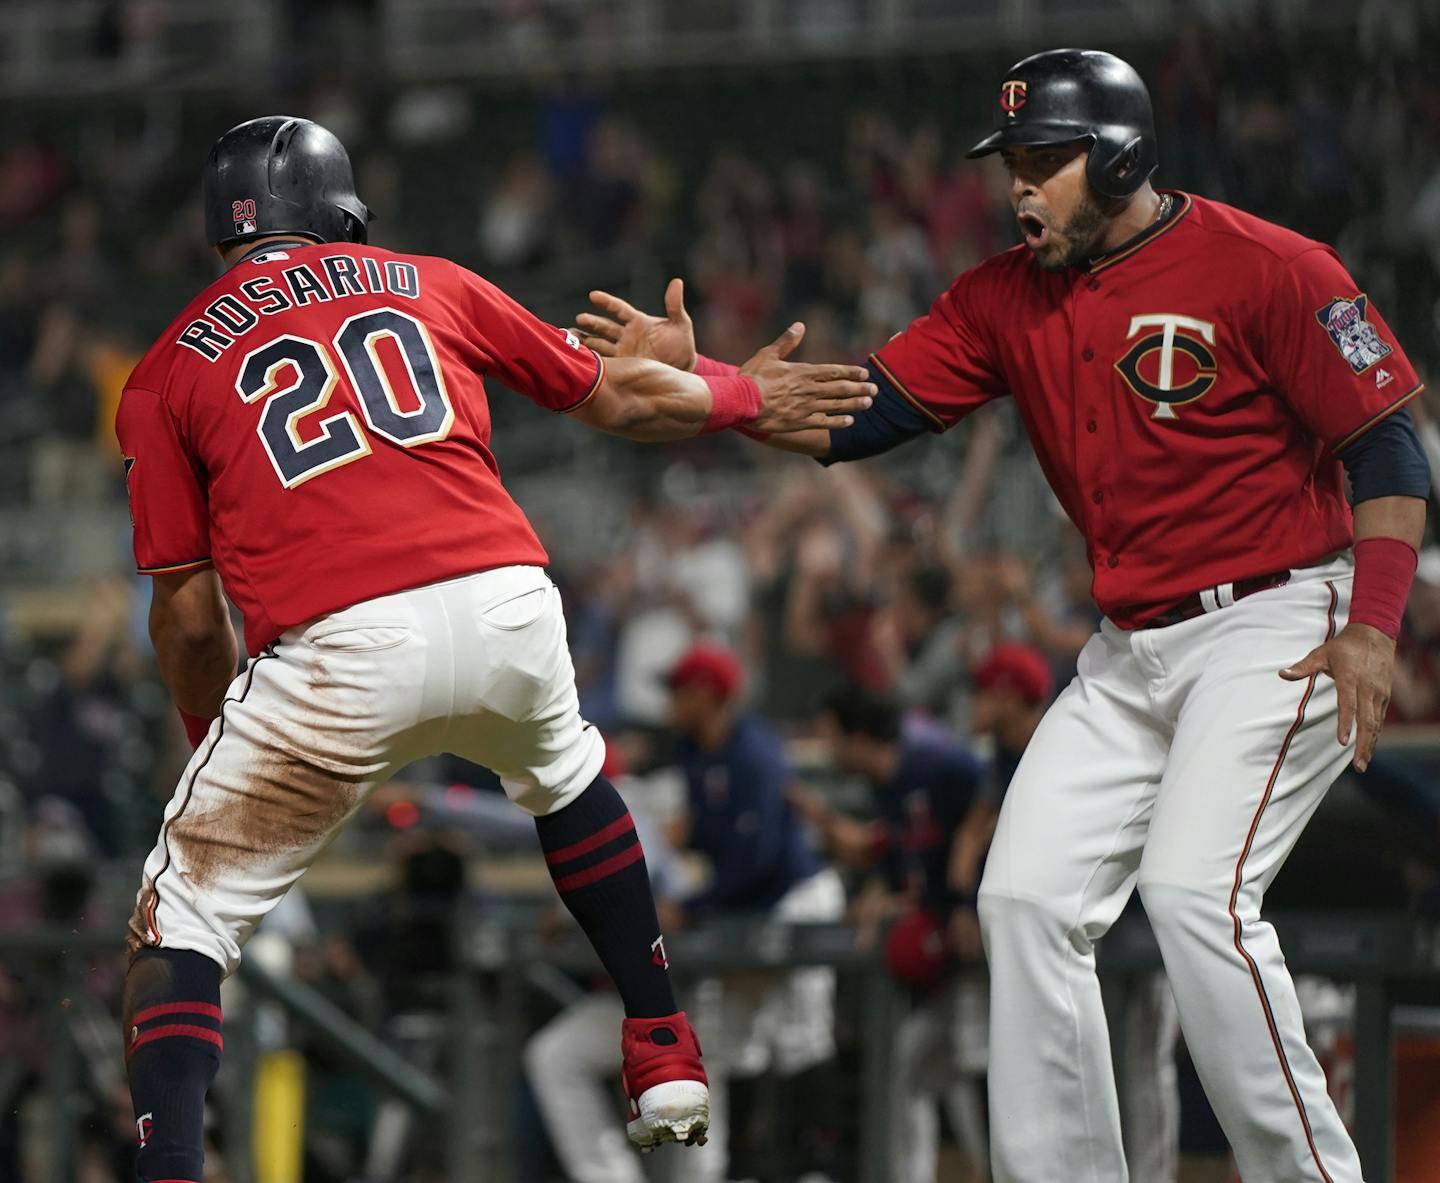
point(1358, 341)
point(1172, 364)
point(1012, 95)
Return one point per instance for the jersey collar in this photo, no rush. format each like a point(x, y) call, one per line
point(1146, 236)
point(266, 247)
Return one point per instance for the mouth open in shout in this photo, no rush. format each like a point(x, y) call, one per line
point(1035, 232)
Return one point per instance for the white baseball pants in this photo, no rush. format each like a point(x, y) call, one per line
point(477, 666)
point(1180, 761)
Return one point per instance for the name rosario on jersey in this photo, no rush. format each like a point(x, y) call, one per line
point(229, 317)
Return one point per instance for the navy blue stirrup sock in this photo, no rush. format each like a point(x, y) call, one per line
point(172, 1051)
point(599, 870)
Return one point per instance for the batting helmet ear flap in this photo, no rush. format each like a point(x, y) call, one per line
point(1115, 177)
point(357, 229)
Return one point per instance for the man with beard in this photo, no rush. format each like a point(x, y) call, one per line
point(1197, 385)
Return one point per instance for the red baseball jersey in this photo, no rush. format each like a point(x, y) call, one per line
point(315, 425)
point(1186, 395)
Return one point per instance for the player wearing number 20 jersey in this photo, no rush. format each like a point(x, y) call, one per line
point(315, 425)
point(314, 428)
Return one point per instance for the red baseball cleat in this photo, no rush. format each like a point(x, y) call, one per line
point(665, 1081)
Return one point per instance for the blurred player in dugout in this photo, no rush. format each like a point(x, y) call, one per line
point(738, 817)
point(937, 805)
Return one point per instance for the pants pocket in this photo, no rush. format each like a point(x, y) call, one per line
point(358, 637)
point(515, 610)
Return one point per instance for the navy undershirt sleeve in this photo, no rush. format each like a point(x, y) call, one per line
point(1387, 461)
point(891, 419)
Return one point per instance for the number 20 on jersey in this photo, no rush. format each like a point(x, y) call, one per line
point(314, 374)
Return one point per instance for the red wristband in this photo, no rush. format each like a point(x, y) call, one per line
point(196, 728)
point(734, 401)
point(708, 367)
point(1384, 568)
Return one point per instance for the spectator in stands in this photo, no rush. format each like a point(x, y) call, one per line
point(515, 221)
point(923, 784)
point(739, 817)
point(61, 897)
point(79, 714)
point(686, 579)
point(80, 275)
point(67, 465)
point(920, 641)
point(1416, 693)
point(1012, 688)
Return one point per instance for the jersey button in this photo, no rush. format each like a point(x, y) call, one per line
point(1088, 355)
point(1112, 561)
point(1091, 426)
point(1097, 497)
point(1093, 285)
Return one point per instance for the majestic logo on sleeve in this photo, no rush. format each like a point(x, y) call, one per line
point(1171, 364)
point(1012, 95)
point(1358, 341)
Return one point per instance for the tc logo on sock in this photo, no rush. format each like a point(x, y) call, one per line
point(144, 1127)
point(657, 953)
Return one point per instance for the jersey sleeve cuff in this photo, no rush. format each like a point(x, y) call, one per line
point(935, 423)
point(170, 568)
point(1378, 417)
point(589, 394)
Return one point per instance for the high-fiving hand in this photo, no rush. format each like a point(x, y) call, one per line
point(626, 331)
point(795, 396)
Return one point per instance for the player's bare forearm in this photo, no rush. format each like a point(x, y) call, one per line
point(806, 443)
point(1391, 517)
point(194, 642)
point(646, 400)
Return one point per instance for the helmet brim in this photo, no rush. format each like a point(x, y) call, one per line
point(1029, 135)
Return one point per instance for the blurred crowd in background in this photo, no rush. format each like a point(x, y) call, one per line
point(798, 200)
point(834, 193)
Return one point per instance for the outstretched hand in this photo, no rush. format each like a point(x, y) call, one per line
point(797, 396)
point(626, 331)
point(1361, 661)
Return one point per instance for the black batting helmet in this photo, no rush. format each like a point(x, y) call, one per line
point(1064, 95)
point(281, 175)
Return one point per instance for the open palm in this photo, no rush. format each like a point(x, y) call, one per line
point(625, 331)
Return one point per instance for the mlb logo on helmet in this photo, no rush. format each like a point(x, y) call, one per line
point(1012, 95)
point(243, 213)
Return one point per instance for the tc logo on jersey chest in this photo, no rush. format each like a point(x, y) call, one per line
point(1171, 364)
point(1358, 341)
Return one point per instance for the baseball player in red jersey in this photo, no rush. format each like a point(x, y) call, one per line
point(1197, 384)
point(311, 435)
